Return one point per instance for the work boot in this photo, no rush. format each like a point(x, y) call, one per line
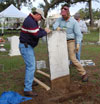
point(85, 78)
point(30, 93)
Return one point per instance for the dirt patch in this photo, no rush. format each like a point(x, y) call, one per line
point(61, 85)
point(78, 92)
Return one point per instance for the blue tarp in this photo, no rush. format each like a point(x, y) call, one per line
point(11, 97)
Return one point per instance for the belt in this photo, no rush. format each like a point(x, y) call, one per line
point(25, 44)
point(70, 39)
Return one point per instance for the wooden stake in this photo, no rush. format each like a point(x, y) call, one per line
point(43, 73)
point(42, 84)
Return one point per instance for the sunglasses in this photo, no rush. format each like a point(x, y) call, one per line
point(65, 9)
point(77, 18)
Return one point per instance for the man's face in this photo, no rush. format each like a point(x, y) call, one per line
point(78, 19)
point(64, 11)
point(38, 17)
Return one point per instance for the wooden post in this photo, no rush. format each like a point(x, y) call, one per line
point(42, 84)
point(43, 73)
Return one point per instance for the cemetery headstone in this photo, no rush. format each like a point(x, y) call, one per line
point(58, 60)
point(2, 49)
point(40, 64)
point(14, 43)
point(99, 31)
point(2, 42)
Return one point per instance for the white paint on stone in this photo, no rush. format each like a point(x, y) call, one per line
point(58, 55)
point(14, 43)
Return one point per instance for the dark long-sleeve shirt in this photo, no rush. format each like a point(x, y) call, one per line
point(31, 32)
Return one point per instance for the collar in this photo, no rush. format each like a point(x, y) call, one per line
point(31, 15)
point(67, 19)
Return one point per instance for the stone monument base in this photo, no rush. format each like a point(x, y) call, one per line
point(61, 85)
point(14, 53)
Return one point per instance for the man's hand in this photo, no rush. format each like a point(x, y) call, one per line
point(77, 47)
point(47, 30)
point(58, 28)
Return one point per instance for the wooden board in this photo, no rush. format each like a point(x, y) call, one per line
point(58, 55)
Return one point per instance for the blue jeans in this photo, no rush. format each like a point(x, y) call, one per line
point(29, 59)
point(78, 54)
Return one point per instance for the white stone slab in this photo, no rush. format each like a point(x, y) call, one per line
point(14, 43)
point(40, 64)
point(99, 23)
point(58, 55)
point(87, 63)
point(3, 50)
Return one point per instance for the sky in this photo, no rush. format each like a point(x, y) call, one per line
point(73, 9)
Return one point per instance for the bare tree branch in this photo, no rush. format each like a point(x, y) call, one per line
point(46, 2)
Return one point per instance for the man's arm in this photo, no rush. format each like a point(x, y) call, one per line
point(77, 31)
point(31, 27)
point(84, 28)
point(78, 36)
point(56, 24)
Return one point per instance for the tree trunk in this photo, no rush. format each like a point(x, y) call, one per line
point(19, 2)
point(91, 14)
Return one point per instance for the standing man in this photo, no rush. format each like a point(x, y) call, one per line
point(29, 37)
point(73, 35)
point(84, 29)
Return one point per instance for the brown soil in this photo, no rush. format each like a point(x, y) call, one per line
point(78, 92)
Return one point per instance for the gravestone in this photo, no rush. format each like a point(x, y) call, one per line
point(14, 43)
point(99, 31)
point(40, 64)
point(2, 49)
point(58, 60)
point(2, 42)
point(99, 23)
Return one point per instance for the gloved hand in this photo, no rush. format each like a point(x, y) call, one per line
point(58, 28)
point(77, 47)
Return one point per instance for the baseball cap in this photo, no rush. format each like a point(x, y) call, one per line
point(77, 16)
point(40, 12)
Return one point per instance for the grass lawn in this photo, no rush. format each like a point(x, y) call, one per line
point(92, 36)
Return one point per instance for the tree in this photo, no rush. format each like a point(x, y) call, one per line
point(96, 14)
point(55, 3)
point(90, 11)
point(5, 3)
point(84, 13)
point(48, 4)
point(90, 8)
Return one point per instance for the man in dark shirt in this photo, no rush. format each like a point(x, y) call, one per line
point(29, 37)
